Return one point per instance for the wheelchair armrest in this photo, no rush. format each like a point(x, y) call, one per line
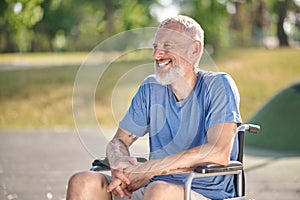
point(215, 168)
point(251, 128)
point(102, 163)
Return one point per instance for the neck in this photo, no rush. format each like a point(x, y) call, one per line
point(184, 86)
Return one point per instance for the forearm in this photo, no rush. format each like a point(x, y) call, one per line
point(185, 161)
point(116, 151)
point(205, 154)
point(201, 155)
point(173, 164)
point(220, 139)
point(177, 163)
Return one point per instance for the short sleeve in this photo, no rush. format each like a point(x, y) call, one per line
point(136, 120)
point(223, 101)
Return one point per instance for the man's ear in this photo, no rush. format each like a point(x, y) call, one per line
point(196, 48)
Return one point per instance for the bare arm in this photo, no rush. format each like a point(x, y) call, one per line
point(117, 150)
point(220, 140)
point(217, 150)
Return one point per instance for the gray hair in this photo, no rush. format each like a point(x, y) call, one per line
point(189, 25)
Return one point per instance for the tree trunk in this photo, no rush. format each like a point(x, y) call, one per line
point(108, 16)
point(282, 11)
point(240, 23)
point(259, 21)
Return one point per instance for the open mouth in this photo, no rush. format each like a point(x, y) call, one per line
point(163, 62)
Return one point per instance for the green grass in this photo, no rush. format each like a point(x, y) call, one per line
point(42, 97)
point(260, 74)
point(36, 98)
point(43, 58)
point(279, 121)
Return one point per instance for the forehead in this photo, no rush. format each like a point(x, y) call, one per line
point(172, 32)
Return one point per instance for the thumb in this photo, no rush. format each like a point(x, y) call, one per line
point(133, 161)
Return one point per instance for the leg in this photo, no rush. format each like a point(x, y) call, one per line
point(162, 190)
point(88, 185)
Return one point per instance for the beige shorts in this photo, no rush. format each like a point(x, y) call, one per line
point(138, 195)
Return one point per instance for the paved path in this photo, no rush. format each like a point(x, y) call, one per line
point(36, 165)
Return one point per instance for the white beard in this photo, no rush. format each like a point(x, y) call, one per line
point(170, 76)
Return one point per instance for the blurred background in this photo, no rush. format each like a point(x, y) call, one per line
point(43, 43)
point(257, 41)
point(77, 25)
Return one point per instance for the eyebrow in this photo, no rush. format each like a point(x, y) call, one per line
point(165, 42)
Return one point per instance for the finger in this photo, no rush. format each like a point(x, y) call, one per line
point(127, 193)
point(120, 191)
point(125, 190)
point(122, 177)
point(115, 192)
point(114, 184)
point(133, 161)
point(131, 188)
point(123, 185)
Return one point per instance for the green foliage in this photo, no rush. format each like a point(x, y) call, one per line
point(24, 13)
point(59, 18)
point(61, 25)
point(133, 15)
point(213, 17)
point(79, 25)
point(22, 16)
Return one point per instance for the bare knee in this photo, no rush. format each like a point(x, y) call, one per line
point(163, 190)
point(87, 179)
point(157, 186)
point(83, 185)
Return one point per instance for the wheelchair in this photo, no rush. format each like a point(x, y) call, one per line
point(235, 168)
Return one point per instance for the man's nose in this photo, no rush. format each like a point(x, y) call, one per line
point(158, 53)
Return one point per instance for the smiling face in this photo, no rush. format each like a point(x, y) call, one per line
point(172, 53)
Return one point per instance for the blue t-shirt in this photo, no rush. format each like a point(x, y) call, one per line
point(175, 126)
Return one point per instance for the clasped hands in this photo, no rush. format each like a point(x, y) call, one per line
point(128, 177)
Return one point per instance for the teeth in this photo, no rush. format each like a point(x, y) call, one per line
point(163, 64)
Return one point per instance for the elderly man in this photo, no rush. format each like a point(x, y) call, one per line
point(191, 117)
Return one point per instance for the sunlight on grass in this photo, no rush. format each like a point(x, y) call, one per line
point(42, 58)
point(260, 74)
point(42, 98)
point(50, 108)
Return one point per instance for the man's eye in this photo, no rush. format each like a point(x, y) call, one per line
point(167, 46)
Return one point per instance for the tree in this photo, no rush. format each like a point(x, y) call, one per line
point(61, 25)
point(21, 16)
point(246, 20)
point(124, 15)
point(282, 7)
point(6, 42)
point(79, 25)
point(60, 17)
point(283, 10)
point(260, 21)
point(213, 18)
point(240, 23)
